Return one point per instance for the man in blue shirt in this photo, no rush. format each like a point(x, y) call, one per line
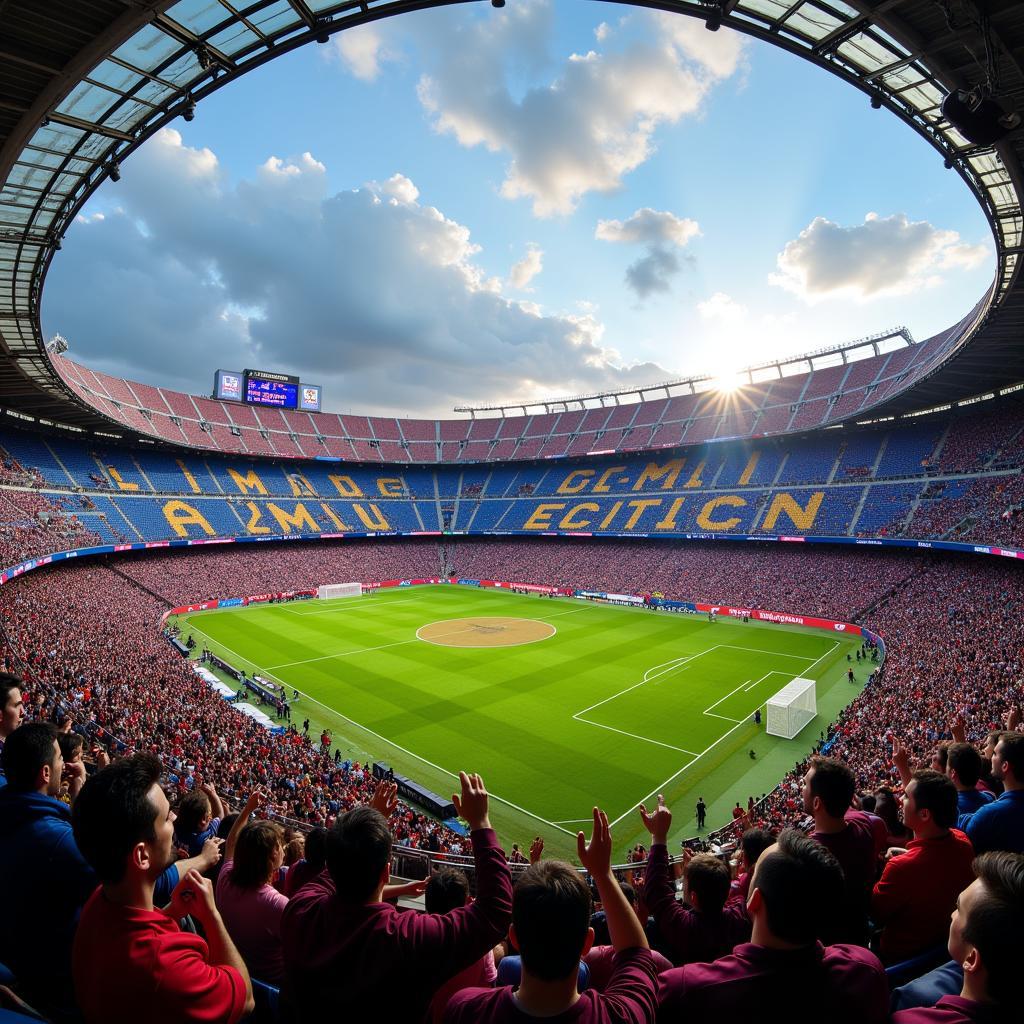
point(1000, 824)
point(963, 766)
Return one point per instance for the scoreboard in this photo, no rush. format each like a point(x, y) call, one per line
point(261, 387)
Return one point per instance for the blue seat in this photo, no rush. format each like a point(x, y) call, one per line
point(268, 999)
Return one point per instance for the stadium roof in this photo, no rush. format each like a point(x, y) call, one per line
point(83, 83)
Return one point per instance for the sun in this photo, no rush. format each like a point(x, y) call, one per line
point(728, 381)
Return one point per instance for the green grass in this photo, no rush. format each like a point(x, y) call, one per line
point(618, 705)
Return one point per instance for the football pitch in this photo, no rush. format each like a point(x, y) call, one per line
point(558, 703)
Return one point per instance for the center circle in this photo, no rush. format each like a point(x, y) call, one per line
point(485, 631)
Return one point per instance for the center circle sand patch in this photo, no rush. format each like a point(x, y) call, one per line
point(485, 631)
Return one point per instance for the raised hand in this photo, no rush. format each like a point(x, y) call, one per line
point(210, 855)
point(596, 856)
point(958, 729)
point(658, 823)
point(192, 895)
point(385, 797)
point(536, 850)
point(472, 803)
point(1013, 719)
point(901, 759)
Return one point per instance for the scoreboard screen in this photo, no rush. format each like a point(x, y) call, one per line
point(275, 390)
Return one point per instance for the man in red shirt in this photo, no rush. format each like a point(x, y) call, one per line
point(711, 928)
point(551, 929)
point(982, 936)
point(131, 961)
point(848, 835)
point(919, 886)
point(344, 947)
point(797, 885)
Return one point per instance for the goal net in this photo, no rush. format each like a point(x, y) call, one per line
point(329, 590)
point(792, 708)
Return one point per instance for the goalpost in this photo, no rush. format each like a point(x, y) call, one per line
point(792, 708)
point(331, 590)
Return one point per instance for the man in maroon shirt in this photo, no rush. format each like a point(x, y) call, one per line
point(711, 928)
point(848, 835)
point(919, 886)
point(797, 885)
point(345, 948)
point(131, 961)
point(984, 938)
point(551, 929)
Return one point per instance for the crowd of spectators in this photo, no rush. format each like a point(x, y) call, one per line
point(32, 525)
point(90, 673)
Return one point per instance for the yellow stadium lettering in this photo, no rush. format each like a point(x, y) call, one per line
point(189, 478)
point(695, 480)
point(704, 520)
point(301, 487)
point(122, 485)
point(372, 520)
point(639, 506)
point(570, 523)
point(255, 515)
point(297, 519)
point(669, 522)
point(601, 487)
point(570, 485)
point(247, 483)
point(801, 518)
point(748, 472)
point(668, 474)
point(334, 518)
point(180, 516)
point(345, 486)
point(391, 487)
point(540, 517)
point(607, 521)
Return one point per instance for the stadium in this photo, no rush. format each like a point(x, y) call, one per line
point(764, 619)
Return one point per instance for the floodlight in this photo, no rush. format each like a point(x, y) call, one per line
point(876, 101)
point(713, 21)
point(977, 117)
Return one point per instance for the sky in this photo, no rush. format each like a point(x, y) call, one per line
point(473, 206)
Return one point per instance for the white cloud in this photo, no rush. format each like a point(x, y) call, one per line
point(526, 269)
point(602, 32)
point(586, 126)
point(398, 187)
point(362, 50)
point(720, 53)
point(653, 272)
point(723, 308)
point(884, 256)
point(648, 226)
point(369, 292)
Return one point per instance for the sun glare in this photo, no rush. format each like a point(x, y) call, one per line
point(729, 381)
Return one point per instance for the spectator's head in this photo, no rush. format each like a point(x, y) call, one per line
point(828, 788)
point(71, 745)
point(754, 842)
point(1008, 760)
point(316, 848)
point(796, 889)
point(123, 822)
point(32, 759)
point(294, 850)
point(193, 813)
point(939, 757)
point(447, 889)
point(707, 883)
point(551, 920)
point(259, 853)
point(929, 803)
point(964, 765)
point(989, 747)
point(12, 707)
point(887, 808)
point(981, 934)
point(359, 855)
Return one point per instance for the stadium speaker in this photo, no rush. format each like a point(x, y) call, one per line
point(114, 170)
point(188, 111)
point(876, 101)
point(497, 3)
point(978, 119)
point(713, 22)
